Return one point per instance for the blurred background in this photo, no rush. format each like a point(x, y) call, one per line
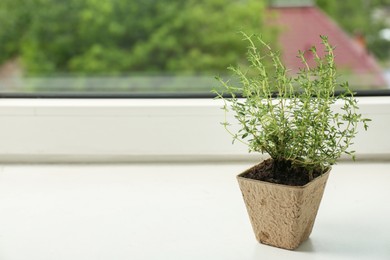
point(178, 46)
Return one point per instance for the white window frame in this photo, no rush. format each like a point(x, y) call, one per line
point(144, 130)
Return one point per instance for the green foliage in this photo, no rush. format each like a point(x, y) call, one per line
point(359, 13)
point(356, 17)
point(209, 39)
point(291, 118)
point(121, 36)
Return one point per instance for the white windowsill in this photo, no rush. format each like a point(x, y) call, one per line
point(177, 211)
point(168, 210)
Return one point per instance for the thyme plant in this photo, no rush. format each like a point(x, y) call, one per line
point(291, 117)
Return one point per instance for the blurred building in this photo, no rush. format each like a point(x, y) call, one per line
point(300, 23)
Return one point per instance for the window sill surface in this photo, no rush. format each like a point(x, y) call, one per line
point(177, 211)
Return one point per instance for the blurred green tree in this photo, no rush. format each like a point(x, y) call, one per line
point(121, 36)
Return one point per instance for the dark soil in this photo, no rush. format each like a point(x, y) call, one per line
point(281, 172)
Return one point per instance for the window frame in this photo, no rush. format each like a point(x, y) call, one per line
point(143, 130)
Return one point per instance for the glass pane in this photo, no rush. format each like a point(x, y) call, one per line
point(355, 28)
point(177, 46)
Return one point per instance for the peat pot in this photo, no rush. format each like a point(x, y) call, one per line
point(281, 215)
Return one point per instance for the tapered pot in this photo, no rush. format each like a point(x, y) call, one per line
point(282, 216)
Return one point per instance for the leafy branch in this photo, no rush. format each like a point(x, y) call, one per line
point(290, 117)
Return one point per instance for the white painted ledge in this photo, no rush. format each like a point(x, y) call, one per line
point(177, 211)
point(128, 130)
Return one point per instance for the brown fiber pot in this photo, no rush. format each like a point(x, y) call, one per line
point(282, 216)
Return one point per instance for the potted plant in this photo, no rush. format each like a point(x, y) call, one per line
point(291, 119)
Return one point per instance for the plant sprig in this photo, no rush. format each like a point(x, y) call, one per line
point(291, 117)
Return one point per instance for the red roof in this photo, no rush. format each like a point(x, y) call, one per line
point(300, 30)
